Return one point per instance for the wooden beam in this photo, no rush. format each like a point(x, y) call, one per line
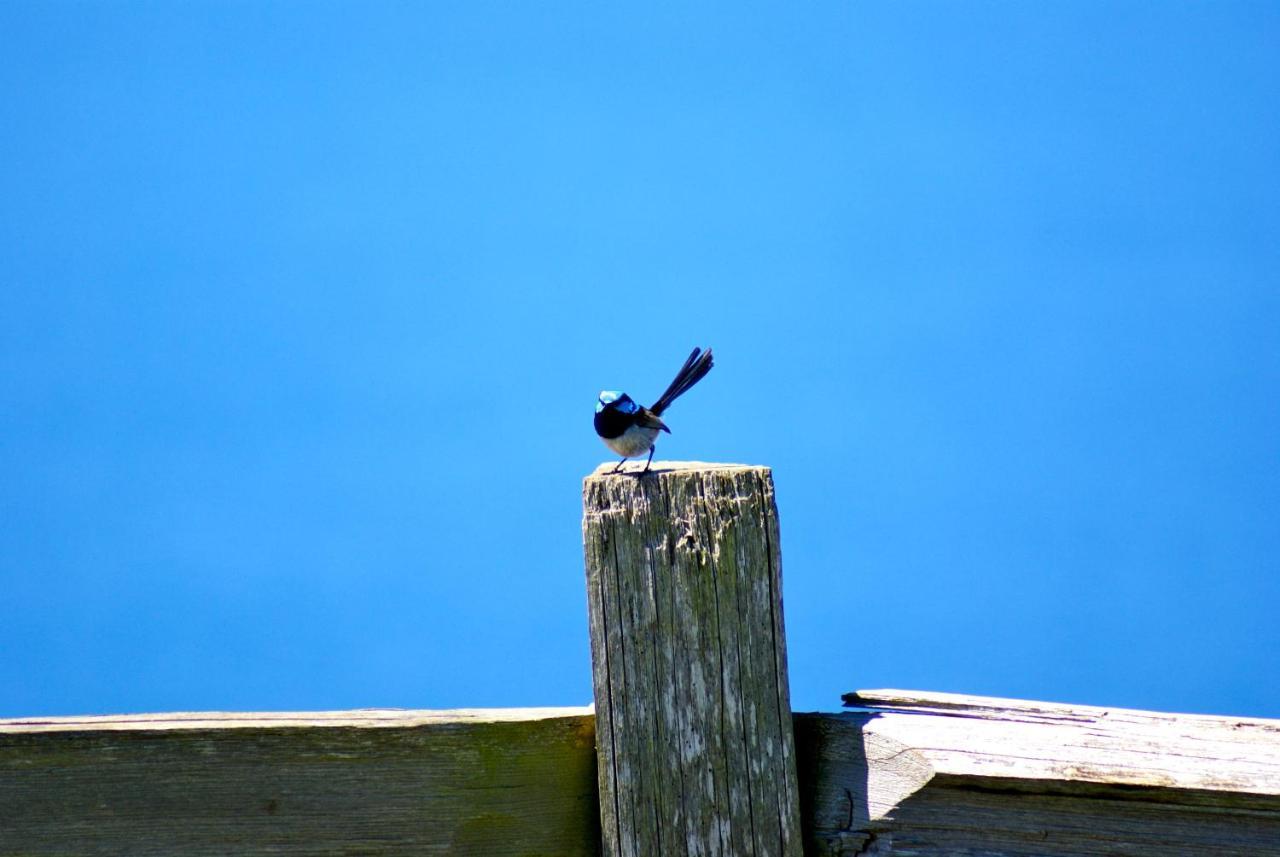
point(903, 773)
point(695, 742)
point(943, 774)
point(352, 782)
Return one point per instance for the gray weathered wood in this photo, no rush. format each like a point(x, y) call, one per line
point(903, 774)
point(356, 782)
point(941, 774)
point(694, 732)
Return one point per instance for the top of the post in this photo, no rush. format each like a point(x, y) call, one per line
point(659, 468)
point(665, 477)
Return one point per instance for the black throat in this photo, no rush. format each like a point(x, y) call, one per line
point(611, 423)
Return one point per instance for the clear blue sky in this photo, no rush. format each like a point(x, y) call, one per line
point(305, 308)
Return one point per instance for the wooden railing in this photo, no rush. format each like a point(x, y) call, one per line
point(694, 750)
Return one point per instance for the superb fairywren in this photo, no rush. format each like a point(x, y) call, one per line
point(629, 429)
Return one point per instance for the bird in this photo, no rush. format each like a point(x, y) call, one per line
point(628, 428)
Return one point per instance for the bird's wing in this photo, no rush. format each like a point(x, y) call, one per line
point(646, 418)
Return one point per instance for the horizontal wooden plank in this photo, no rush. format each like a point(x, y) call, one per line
point(990, 737)
point(932, 774)
point(356, 782)
point(360, 718)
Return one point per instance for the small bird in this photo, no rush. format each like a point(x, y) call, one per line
point(629, 429)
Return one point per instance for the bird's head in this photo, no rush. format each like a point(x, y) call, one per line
point(612, 400)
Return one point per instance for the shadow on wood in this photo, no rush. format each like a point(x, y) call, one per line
point(908, 773)
point(943, 774)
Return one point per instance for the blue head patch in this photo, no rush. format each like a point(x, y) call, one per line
point(620, 401)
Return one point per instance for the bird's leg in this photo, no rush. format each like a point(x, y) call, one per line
point(619, 467)
point(647, 463)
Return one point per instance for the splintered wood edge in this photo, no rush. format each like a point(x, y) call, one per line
point(364, 718)
point(1000, 708)
point(1013, 739)
point(635, 465)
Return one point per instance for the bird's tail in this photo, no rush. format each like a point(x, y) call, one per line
point(698, 365)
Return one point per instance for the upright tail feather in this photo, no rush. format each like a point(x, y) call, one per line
point(698, 365)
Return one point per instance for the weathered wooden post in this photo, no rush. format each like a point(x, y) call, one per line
point(693, 718)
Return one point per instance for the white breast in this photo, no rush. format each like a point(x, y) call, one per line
point(633, 442)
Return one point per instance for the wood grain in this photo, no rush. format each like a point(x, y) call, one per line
point(355, 782)
point(696, 751)
point(931, 774)
point(902, 773)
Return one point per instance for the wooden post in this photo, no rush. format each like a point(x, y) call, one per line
point(693, 720)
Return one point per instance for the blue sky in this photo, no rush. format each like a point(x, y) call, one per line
point(304, 309)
